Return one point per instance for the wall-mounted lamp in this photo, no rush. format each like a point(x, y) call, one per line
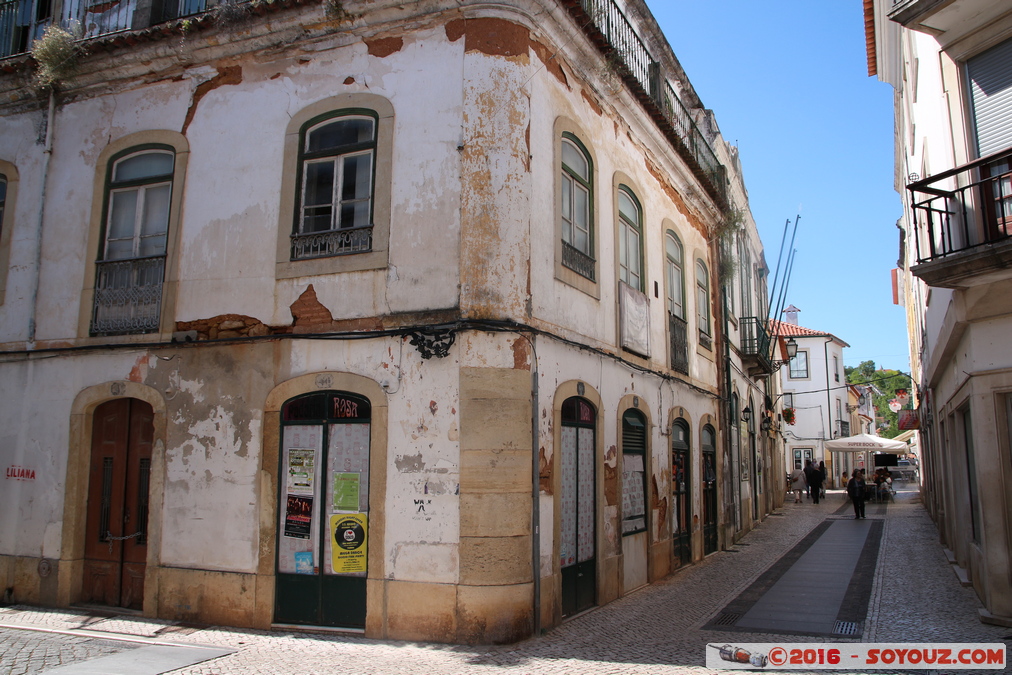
point(792, 348)
point(766, 424)
point(746, 415)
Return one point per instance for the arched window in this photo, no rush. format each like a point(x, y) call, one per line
point(634, 476)
point(130, 268)
point(577, 212)
point(681, 491)
point(675, 271)
point(630, 237)
point(703, 298)
point(709, 481)
point(336, 165)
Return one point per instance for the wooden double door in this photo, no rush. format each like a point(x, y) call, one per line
point(115, 550)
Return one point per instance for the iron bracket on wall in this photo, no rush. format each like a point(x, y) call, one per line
point(433, 341)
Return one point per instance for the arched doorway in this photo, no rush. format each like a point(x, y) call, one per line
point(323, 510)
point(709, 489)
point(119, 480)
point(635, 531)
point(578, 543)
point(681, 492)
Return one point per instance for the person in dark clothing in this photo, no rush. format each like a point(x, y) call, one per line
point(809, 471)
point(822, 470)
point(815, 483)
point(855, 488)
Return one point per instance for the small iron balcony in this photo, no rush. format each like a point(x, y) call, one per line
point(963, 221)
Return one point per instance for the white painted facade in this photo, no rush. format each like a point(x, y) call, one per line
point(948, 64)
point(465, 244)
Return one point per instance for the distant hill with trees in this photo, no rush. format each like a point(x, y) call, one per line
point(886, 381)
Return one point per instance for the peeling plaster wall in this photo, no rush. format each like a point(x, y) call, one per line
point(20, 145)
point(558, 364)
point(622, 139)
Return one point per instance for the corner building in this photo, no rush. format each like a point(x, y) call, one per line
point(383, 316)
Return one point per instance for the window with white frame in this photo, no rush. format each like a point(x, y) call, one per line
point(577, 199)
point(130, 268)
point(336, 176)
point(630, 237)
point(703, 297)
point(799, 366)
point(674, 269)
point(836, 368)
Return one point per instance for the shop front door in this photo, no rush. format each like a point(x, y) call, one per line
point(323, 511)
point(115, 550)
point(577, 559)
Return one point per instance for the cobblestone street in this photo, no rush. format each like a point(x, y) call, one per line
point(915, 597)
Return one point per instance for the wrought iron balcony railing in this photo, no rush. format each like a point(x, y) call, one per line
point(616, 37)
point(578, 261)
point(331, 243)
point(965, 208)
point(128, 296)
point(756, 343)
point(24, 21)
point(678, 336)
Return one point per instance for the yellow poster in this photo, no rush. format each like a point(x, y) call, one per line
point(347, 542)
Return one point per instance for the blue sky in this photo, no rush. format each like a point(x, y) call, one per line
point(787, 80)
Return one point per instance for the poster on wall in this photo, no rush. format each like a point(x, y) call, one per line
point(301, 470)
point(299, 516)
point(346, 491)
point(348, 542)
point(304, 562)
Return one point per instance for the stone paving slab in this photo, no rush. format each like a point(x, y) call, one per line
point(913, 596)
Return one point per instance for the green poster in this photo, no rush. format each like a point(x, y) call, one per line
point(346, 491)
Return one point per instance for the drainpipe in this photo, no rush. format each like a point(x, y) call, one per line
point(46, 155)
point(535, 491)
point(829, 403)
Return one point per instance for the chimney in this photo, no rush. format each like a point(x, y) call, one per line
point(791, 314)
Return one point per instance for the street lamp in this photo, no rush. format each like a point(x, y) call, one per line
point(746, 415)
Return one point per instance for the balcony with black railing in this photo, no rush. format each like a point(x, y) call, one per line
point(128, 296)
point(24, 21)
point(963, 223)
point(615, 36)
point(756, 346)
point(678, 342)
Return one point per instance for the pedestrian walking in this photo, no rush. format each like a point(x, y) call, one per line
point(822, 470)
point(809, 470)
point(798, 484)
point(855, 488)
point(815, 483)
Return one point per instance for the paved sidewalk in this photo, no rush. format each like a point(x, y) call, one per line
point(914, 597)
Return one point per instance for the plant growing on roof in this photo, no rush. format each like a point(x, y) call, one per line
point(55, 54)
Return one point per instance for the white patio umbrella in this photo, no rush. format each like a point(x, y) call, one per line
point(867, 443)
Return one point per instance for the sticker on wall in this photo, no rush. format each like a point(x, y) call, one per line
point(304, 562)
point(347, 540)
point(346, 491)
point(299, 516)
point(301, 469)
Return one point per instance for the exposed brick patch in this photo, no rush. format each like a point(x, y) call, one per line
point(551, 61)
point(226, 326)
point(544, 473)
point(592, 102)
point(383, 47)
point(226, 75)
point(521, 354)
point(675, 197)
point(491, 36)
point(309, 312)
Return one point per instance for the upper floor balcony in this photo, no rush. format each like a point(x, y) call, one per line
point(945, 19)
point(963, 223)
point(756, 346)
point(24, 21)
point(616, 37)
